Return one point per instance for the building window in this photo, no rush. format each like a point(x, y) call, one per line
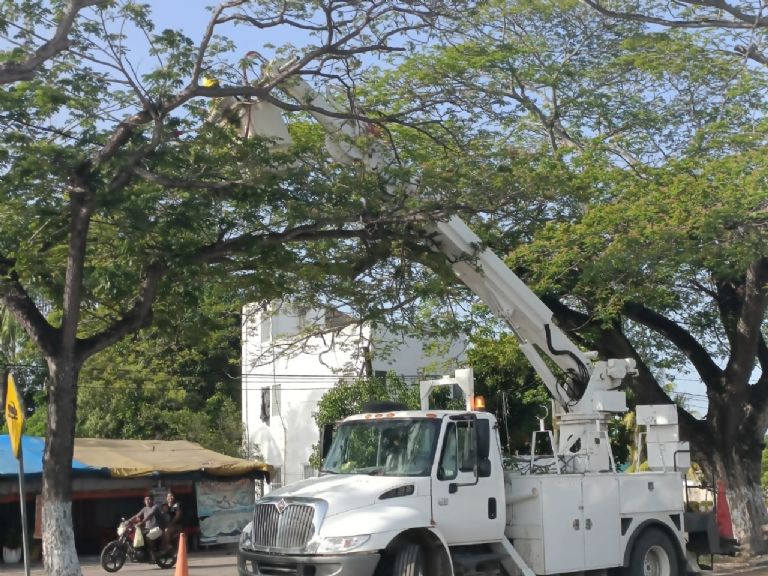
point(276, 481)
point(276, 400)
point(265, 328)
point(266, 411)
point(336, 319)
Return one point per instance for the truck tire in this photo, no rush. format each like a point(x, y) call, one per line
point(409, 561)
point(653, 554)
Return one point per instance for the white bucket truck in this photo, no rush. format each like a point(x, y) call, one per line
point(427, 493)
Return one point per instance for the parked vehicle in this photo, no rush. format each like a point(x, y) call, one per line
point(429, 492)
point(115, 553)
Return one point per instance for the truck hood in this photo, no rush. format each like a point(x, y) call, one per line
point(345, 492)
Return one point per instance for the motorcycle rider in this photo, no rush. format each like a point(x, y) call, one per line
point(147, 519)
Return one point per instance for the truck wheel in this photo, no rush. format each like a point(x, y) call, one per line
point(653, 554)
point(409, 561)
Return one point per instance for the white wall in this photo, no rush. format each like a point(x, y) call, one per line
point(304, 376)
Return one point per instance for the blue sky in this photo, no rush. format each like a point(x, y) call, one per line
point(192, 17)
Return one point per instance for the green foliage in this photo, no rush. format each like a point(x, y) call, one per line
point(177, 380)
point(511, 388)
point(349, 396)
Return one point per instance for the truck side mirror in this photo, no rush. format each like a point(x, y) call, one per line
point(326, 437)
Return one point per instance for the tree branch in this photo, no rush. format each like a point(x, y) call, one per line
point(133, 319)
point(25, 70)
point(743, 22)
point(307, 233)
point(614, 343)
point(710, 372)
point(182, 184)
point(24, 310)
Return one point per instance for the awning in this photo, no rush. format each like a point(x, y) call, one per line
point(135, 458)
point(132, 459)
point(32, 448)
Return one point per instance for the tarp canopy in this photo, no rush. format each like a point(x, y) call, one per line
point(32, 451)
point(133, 458)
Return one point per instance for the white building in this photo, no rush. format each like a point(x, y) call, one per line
point(282, 380)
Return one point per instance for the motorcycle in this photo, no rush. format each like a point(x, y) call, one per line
point(115, 553)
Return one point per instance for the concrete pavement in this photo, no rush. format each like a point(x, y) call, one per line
point(219, 561)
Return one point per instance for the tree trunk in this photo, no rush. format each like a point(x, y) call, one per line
point(747, 506)
point(747, 515)
point(59, 553)
point(735, 460)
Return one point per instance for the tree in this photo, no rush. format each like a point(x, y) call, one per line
point(178, 379)
point(638, 155)
point(32, 49)
point(744, 26)
point(120, 193)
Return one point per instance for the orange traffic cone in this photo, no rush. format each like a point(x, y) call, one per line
point(723, 517)
point(182, 567)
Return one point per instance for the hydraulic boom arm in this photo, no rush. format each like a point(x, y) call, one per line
point(588, 388)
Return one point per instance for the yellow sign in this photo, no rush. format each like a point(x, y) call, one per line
point(14, 415)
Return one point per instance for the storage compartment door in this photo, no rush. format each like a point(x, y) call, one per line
point(563, 524)
point(601, 521)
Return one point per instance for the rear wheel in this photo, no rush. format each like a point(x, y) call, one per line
point(166, 559)
point(113, 556)
point(409, 561)
point(653, 554)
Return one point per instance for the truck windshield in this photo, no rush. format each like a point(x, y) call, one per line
point(391, 447)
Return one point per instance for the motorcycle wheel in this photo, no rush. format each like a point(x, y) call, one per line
point(113, 556)
point(166, 559)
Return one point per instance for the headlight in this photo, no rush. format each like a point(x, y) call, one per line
point(246, 536)
point(341, 543)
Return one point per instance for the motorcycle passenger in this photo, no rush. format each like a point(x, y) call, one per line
point(171, 520)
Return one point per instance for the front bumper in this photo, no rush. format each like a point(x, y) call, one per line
point(251, 563)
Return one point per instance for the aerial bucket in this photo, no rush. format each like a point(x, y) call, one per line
point(264, 119)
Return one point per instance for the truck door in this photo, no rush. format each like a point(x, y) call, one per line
point(465, 508)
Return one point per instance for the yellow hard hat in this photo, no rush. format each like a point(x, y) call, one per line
point(210, 82)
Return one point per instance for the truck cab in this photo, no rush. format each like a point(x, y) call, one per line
point(397, 489)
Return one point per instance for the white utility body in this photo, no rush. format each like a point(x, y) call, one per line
point(411, 493)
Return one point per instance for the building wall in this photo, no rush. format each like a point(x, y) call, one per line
point(302, 378)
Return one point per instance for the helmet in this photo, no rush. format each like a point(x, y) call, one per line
point(210, 82)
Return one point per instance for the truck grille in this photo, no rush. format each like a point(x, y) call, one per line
point(291, 529)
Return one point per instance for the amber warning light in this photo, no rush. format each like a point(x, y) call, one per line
point(479, 403)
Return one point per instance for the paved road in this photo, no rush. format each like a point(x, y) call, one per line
point(218, 563)
point(222, 562)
